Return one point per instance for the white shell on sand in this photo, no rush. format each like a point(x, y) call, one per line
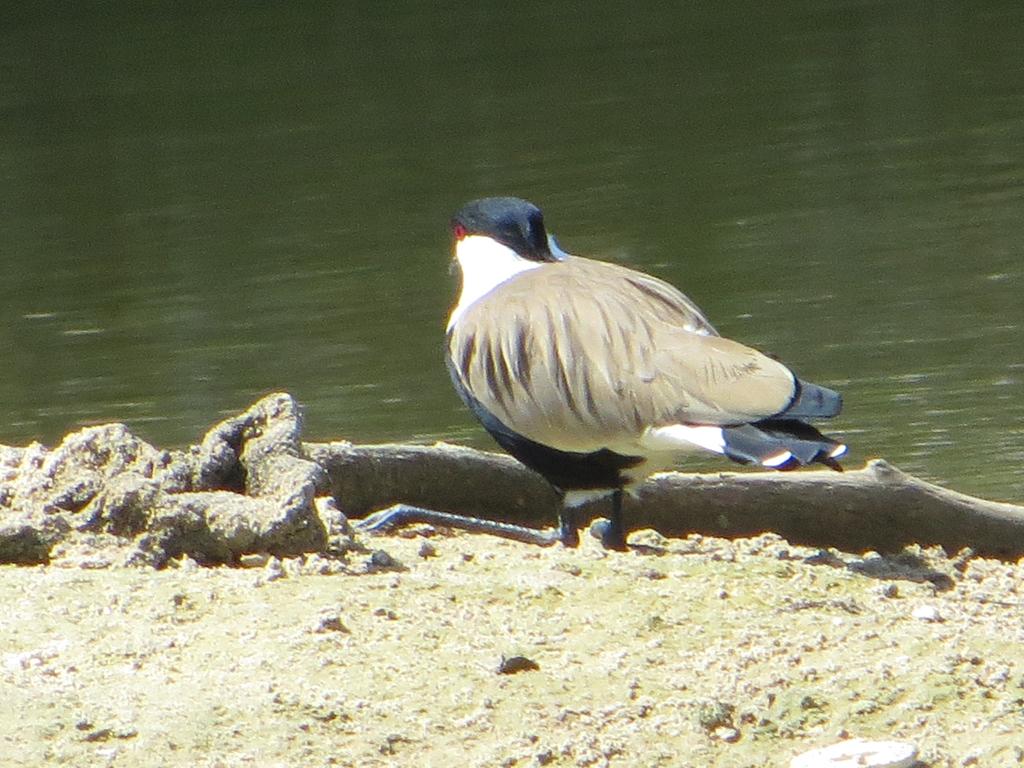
point(859, 753)
point(927, 613)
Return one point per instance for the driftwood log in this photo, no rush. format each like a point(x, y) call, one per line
point(875, 508)
point(252, 486)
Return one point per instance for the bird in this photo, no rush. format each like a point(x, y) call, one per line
point(596, 376)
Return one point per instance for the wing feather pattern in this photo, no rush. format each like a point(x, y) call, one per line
point(583, 355)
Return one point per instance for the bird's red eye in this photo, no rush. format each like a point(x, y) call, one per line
point(458, 231)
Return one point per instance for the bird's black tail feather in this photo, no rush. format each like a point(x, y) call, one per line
point(781, 444)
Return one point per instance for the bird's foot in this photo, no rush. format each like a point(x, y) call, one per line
point(383, 520)
point(403, 514)
point(610, 535)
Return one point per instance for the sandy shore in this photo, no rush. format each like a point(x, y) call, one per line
point(711, 652)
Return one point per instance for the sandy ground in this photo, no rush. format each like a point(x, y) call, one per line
point(709, 652)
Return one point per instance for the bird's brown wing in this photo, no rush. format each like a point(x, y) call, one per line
point(582, 355)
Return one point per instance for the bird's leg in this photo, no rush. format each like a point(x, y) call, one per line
point(611, 533)
point(403, 514)
point(568, 533)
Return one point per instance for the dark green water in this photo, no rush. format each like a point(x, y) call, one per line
point(201, 205)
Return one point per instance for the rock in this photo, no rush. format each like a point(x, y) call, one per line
point(927, 613)
point(11, 459)
point(274, 570)
point(515, 664)
point(427, 550)
point(220, 527)
point(726, 734)
point(380, 560)
point(184, 563)
point(245, 489)
point(859, 753)
point(23, 544)
point(257, 452)
point(331, 518)
point(217, 465)
point(648, 538)
point(37, 657)
point(271, 449)
point(122, 506)
point(94, 551)
point(713, 714)
point(98, 479)
point(330, 622)
point(64, 480)
point(341, 537)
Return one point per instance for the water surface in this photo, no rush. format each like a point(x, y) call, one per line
point(202, 205)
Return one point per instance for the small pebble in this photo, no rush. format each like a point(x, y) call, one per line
point(927, 613)
point(514, 664)
point(859, 753)
point(254, 560)
point(334, 519)
point(889, 590)
point(648, 537)
point(726, 734)
point(381, 560)
point(427, 550)
point(186, 563)
point(713, 714)
point(274, 570)
point(330, 622)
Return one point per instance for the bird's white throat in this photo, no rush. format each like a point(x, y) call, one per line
point(485, 264)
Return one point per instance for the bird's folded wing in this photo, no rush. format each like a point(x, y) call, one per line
point(583, 364)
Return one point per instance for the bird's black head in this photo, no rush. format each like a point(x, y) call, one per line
point(511, 221)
